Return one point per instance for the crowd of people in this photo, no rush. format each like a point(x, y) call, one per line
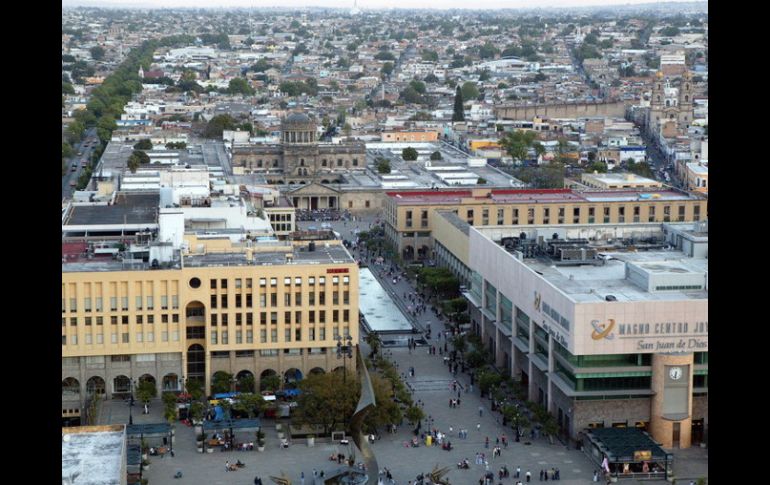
point(322, 215)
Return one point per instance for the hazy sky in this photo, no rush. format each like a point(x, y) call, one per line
point(363, 4)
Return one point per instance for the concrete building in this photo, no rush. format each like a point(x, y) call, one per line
point(94, 455)
point(300, 157)
point(618, 181)
point(409, 216)
point(173, 293)
point(605, 325)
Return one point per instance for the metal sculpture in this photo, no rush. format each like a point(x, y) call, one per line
point(437, 475)
point(282, 480)
point(365, 404)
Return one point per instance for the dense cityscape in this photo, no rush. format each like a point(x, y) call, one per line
point(354, 246)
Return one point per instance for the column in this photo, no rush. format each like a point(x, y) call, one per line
point(530, 365)
point(207, 373)
point(550, 372)
point(671, 404)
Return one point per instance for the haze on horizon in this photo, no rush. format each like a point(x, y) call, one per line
point(362, 4)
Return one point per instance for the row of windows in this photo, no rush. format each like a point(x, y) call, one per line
point(680, 287)
point(224, 319)
point(561, 215)
point(222, 337)
point(222, 300)
point(97, 304)
point(124, 338)
point(287, 281)
point(324, 163)
point(139, 319)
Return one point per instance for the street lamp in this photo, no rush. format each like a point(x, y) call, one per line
point(344, 352)
point(131, 402)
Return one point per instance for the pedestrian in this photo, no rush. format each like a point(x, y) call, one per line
point(450, 431)
point(481, 411)
point(596, 476)
point(227, 466)
point(315, 473)
point(529, 476)
point(302, 478)
point(478, 427)
point(518, 471)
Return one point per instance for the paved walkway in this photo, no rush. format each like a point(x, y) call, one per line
point(431, 385)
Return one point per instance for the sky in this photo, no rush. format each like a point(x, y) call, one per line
point(363, 4)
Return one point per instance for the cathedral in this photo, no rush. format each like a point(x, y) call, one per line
point(299, 158)
point(671, 108)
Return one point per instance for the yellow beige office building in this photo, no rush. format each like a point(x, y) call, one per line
point(409, 215)
point(265, 311)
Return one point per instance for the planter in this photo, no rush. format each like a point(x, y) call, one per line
point(198, 429)
point(260, 448)
point(311, 441)
point(200, 449)
point(145, 467)
point(280, 435)
point(144, 456)
point(209, 450)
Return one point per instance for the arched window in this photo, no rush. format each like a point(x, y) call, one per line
point(686, 98)
point(668, 103)
point(658, 98)
point(687, 86)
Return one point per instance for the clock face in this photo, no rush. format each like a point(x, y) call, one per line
point(675, 373)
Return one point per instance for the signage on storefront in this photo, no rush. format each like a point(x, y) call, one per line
point(643, 455)
point(337, 270)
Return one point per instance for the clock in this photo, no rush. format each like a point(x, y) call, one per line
point(675, 373)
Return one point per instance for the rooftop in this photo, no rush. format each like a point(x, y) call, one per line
point(93, 455)
point(128, 208)
point(502, 196)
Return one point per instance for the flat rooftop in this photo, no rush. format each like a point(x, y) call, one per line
point(92, 457)
point(333, 254)
point(381, 313)
point(129, 208)
point(588, 283)
point(536, 196)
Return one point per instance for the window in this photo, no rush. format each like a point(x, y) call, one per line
point(287, 299)
point(311, 316)
point(213, 301)
point(606, 215)
point(322, 316)
point(500, 217)
point(335, 316)
point(346, 279)
point(666, 213)
point(469, 216)
point(322, 333)
point(224, 319)
point(273, 318)
point(287, 335)
point(88, 321)
point(263, 336)
point(274, 335)
point(322, 280)
point(263, 318)
point(113, 320)
point(237, 300)
point(485, 217)
point(248, 282)
point(273, 282)
point(287, 318)
point(637, 213)
point(150, 336)
point(651, 216)
point(346, 316)
point(213, 284)
point(223, 284)
point(124, 319)
point(681, 212)
point(311, 334)
point(238, 319)
point(164, 302)
point(175, 302)
point(87, 304)
point(164, 336)
point(335, 298)
point(355, 162)
point(262, 282)
point(164, 319)
point(150, 303)
point(214, 319)
point(311, 280)
point(125, 337)
point(531, 215)
point(150, 318)
point(113, 304)
point(298, 299)
point(214, 337)
point(114, 338)
point(249, 319)
point(89, 339)
point(696, 213)
point(311, 298)
point(139, 319)
point(238, 282)
point(249, 302)
point(515, 219)
point(223, 300)
point(576, 215)
point(322, 298)
point(99, 303)
point(249, 336)
point(561, 215)
point(621, 214)
point(175, 318)
point(224, 337)
point(546, 215)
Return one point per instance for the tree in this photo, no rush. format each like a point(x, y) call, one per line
point(347, 129)
point(418, 86)
point(145, 391)
point(436, 155)
point(488, 51)
point(383, 165)
point(97, 53)
point(221, 382)
point(246, 383)
point(410, 95)
point(66, 88)
point(145, 144)
point(459, 110)
point(431, 78)
point(374, 342)
point(217, 125)
point(326, 400)
point(470, 91)
point(239, 85)
point(429, 55)
point(194, 389)
point(385, 56)
point(484, 76)
point(414, 415)
point(540, 76)
point(250, 404)
point(409, 154)
point(66, 150)
point(387, 68)
point(261, 66)
point(517, 143)
point(598, 166)
point(270, 383)
point(481, 181)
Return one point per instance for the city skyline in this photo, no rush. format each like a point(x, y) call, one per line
point(368, 4)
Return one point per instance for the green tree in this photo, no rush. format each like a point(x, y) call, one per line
point(66, 150)
point(250, 404)
point(488, 51)
point(410, 95)
point(487, 378)
point(387, 68)
point(414, 415)
point(517, 143)
point(194, 388)
point(66, 88)
point(144, 144)
point(217, 125)
point(470, 91)
point(97, 53)
point(418, 86)
point(436, 155)
point(270, 383)
point(145, 391)
point(481, 181)
point(383, 165)
point(347, 129)
point(75, 131)
point(385, 56)
point(484, 76)
point(261, 66)
point(221, 382)
point(429, 55)
point(327, 400)
point(374, 342)
point(239, 85)
point(409, 154)
point(459, 110)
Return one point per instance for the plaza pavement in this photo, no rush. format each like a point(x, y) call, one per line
point(431, 385)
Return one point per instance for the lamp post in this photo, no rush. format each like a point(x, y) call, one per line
point(131, 402)
point(344, 352)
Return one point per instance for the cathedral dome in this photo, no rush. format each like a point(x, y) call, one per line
point(297, 119)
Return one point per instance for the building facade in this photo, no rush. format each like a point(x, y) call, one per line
point(600, 325)
point(671, 106)
point(409, 216)
point(299, 157)
point(249, 311)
